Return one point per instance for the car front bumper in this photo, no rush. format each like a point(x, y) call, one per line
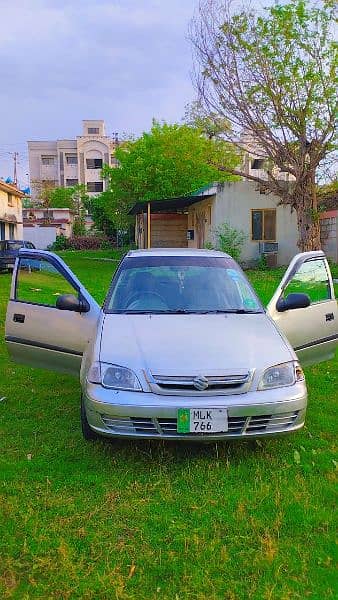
point(145, 415)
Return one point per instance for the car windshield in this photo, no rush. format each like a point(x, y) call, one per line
point(182, 284)
point(14, 245)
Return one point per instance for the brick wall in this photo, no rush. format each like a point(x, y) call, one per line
point(329, 233)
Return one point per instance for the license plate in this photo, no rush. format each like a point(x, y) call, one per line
point(202, 420)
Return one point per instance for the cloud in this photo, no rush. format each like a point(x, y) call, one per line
point(63, 61)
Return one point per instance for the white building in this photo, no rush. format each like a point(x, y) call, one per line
point(65, 163)
point(10, 212)
point(192, 221)
point(255, 161)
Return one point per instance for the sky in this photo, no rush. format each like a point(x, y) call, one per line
point(62, 61)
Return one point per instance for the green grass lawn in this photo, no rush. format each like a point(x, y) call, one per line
point(145, 520)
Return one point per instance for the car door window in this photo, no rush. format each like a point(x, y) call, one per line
point(312, 279)
point(39, 282)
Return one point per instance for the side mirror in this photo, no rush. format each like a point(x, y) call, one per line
point(293, 301)
point(70, 302)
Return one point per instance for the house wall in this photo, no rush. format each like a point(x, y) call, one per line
point(233, 203)
point(41, 237)
point(42, 231)
point(7, 211)
point(329, 233)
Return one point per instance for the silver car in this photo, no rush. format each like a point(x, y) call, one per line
point(182, 347)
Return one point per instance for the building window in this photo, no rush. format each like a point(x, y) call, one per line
point(94, 163)
point(11, 231)
point(95, 186)
point(71, 182)
point(48, 160)
point(257, 163)
point(71, 159)
point(263, 225)
point(10, 201)
point(93, 130)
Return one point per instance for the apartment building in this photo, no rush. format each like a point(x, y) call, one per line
point(10, 212)
point(65, 163)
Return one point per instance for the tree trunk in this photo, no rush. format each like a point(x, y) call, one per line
point(308, 219)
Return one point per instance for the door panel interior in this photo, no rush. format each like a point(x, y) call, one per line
point(38, 333)
point(312, 331)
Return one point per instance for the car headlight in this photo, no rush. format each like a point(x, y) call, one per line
point(114, 377)
point(281, 376)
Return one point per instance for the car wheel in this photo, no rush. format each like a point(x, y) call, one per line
point(87, 432)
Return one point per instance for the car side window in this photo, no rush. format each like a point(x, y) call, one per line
point(311, 279)
point(39, 282)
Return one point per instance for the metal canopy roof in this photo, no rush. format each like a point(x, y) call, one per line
point(168, 204)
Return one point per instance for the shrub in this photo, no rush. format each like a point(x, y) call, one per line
point(262, 264)
point(230, 240)
point(79, 229)
point(61, 243)
point(87, 242)
point(208, 245)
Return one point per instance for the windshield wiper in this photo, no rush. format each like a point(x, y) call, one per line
point(142, 312)
point(235, 311)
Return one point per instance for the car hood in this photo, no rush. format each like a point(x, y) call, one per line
point(192, 344)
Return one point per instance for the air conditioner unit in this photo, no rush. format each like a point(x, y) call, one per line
point(268, 247)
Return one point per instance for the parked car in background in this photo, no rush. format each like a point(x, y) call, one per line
point(9, 250)
point(182, 347)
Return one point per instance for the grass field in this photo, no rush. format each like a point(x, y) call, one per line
point(151, 520)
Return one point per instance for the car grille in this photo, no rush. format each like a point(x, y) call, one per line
point(237, 383)
point(237, 425)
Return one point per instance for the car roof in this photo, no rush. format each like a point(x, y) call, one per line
point(176, 252)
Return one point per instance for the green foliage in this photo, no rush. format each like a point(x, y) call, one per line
point(273, 74)
point(74, 197)
point(61, 243)
point(170, 160)
point(106, 218)
point(210, 123)
point(262, 264)
point(290, 47)
point(79, 228)
point(61, 197)
point(230, 240)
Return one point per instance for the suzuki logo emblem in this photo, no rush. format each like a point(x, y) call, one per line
point(200, 383)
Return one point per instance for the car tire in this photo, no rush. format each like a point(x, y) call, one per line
point(87, 432)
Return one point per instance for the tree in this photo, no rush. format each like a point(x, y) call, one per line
point(75, 198)
point(170, 160)
point(60, 197)
point(104, 218)
point(210, 123)
point(272, 75)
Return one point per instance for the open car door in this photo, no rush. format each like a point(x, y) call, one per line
point(50, 316)
point(312, 327)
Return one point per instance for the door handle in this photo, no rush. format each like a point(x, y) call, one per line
point(18, 318)
point(329, 317)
